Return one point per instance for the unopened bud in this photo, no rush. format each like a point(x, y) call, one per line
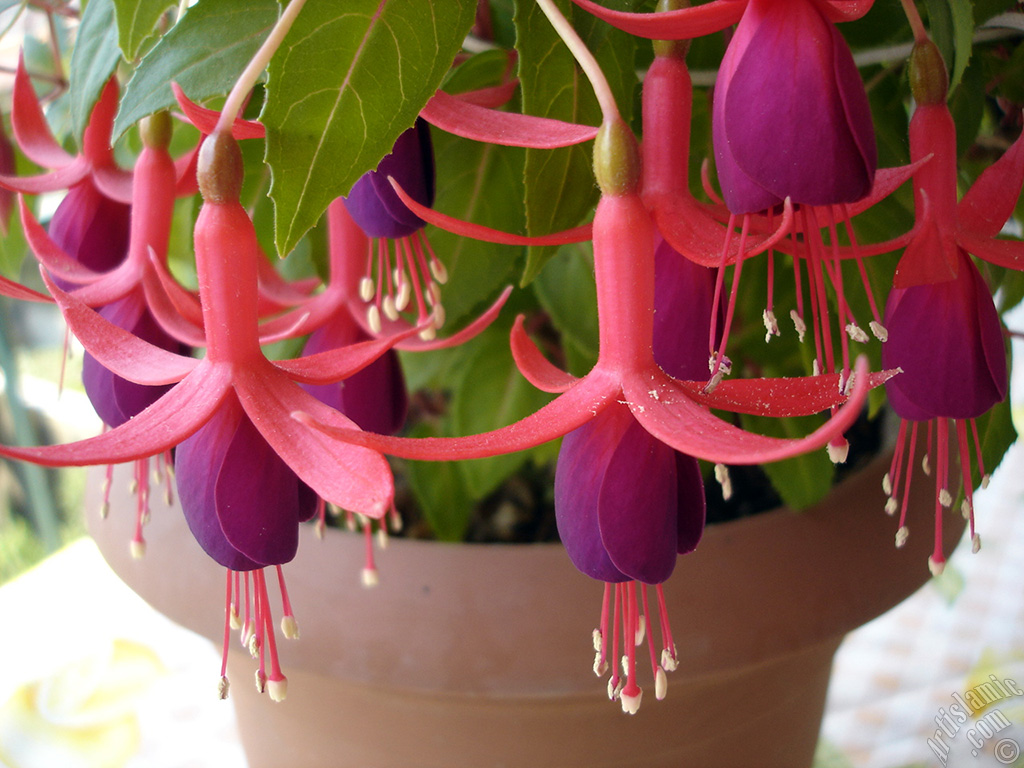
point(929, 80)
point(156, 130)
point(616, 159)
point(671, 49)
point(219, 169)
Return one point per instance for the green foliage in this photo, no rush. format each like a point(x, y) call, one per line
point(93, 60)
point(136, 20)
point(347, 81)
point(204, 53)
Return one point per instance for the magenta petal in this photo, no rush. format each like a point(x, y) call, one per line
point(692, 503)
point(536, 368)
point(796, 118)
point(948, 340)
point(159, 428)
point(375, 397)
point(116, 399)
point(638, 507)
point(452, 114)
point(350, 476)
point(562, 415)
point(583, 460)
point(671, 25)
point(667, 411)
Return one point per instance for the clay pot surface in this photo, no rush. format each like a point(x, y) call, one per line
point(480, 655)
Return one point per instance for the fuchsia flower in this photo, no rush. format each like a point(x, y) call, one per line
point(233, 377)
point(626, 504)
point(944, 332)
point(672, 412)
point(790, 116)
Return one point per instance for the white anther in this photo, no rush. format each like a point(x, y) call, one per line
point(891, 506)
point(771, 325)
point(138, 549)
point(641, 631)
point(630, 703)
point(133, 486)
point(722, 476)
point(104, 510)
point(439, 315)
point(935, 567)
point(278, 689)
point(669, 660)
point(403, 296)
point(613, 689)
point(439, 271)
point(880, 332)
point(373, 318)
point(945, 498)
point(660, 684)
point(382, 537)
point(815, 367)
point(926, 465)
point(985, 480)
point(433, 294)
point(965, 509)
point(598, 639)
point(222, 688)
point(838, 453)
point(600, 665)
point(261, 682)
point(254, 646)
point(856, 333)
point(901, 536)
point(370, 577)
point(390, 310)
point(799, 324)
point(850, 383)
point(234, 620)
point(887, 484)
point(366, 289)
point(290, 627)
point(429, 333)
point(975, 544)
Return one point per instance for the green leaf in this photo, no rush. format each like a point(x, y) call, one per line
point(491, 393)
point(801, 480)
point(441, 493)
point(204, 53)
point(136, 20)
point(93, 61)
point(951, 23)
point(376, 63)
point(566, 290)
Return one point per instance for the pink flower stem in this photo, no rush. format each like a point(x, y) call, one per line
point(916, 25)
point(256, 65)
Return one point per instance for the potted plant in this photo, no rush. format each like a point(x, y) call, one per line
point(640, 303)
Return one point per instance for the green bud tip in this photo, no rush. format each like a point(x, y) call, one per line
point(671, 49)
point(156, 130)
point(616, 159)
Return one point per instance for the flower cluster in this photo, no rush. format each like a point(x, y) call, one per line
point(659, 399)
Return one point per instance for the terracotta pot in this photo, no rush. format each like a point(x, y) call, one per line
point(476, 655)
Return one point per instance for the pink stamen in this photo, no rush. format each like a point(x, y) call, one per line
point(228, 609)
point(965, 469)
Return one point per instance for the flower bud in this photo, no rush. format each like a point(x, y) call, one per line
point(156, 130)
point(219, 170)
point(929, 81)
point(616, 159)
point(671, 49)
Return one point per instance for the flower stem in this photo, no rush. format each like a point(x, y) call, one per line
point(920, 33)
point(586, 60)
point(256, 66)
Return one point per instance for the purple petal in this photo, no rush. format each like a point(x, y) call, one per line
point(116, 399)
point(242, 502)
point(374, 398)
point(948, 340)
point(683, 296)
point(795, 117)
point(638, 507)
point(373, 203)
point(91, 228)
point(692, 504)
point(583, 461)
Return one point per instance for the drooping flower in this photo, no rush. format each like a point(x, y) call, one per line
point(945, 333)
point(626, 504)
